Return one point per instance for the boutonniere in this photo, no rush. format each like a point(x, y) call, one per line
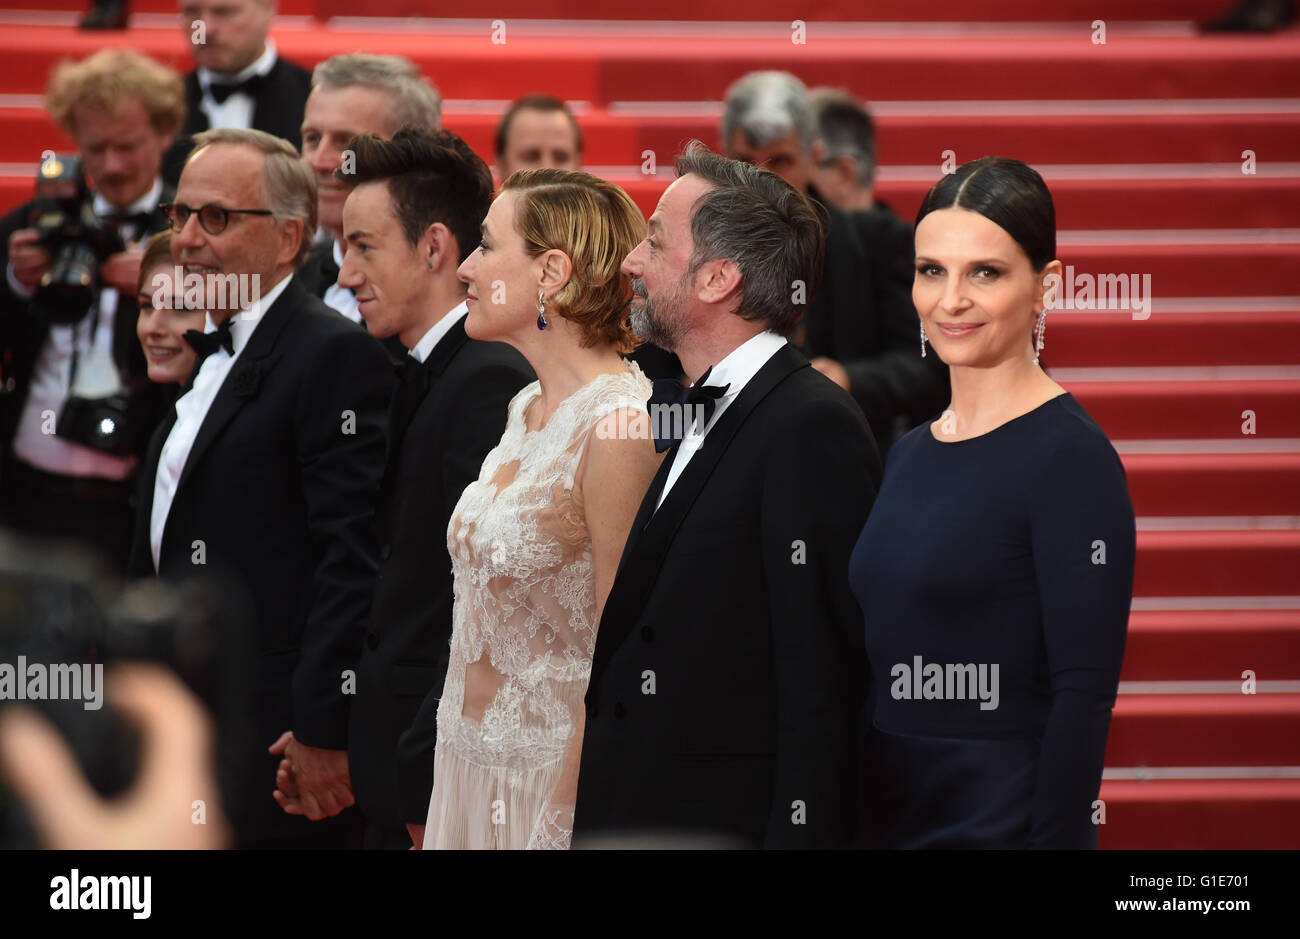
point(246, 379)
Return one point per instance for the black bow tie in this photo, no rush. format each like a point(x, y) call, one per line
point(207, 343)
point(669, 425)
point(220, 91)
point(139, 220)
point(329, 270)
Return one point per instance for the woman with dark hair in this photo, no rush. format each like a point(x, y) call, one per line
point(995, 572)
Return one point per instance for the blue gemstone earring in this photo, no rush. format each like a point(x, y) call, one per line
point(541, 310)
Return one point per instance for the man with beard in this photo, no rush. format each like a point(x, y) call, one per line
point(729, 671)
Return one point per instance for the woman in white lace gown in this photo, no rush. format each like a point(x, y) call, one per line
point(536, 540)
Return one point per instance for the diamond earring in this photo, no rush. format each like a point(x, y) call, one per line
point(923, 338)
point(1038, 335)
point(541, 310)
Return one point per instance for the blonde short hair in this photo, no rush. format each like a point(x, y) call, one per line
point(597, 225)
point(290, 183)
point(111, 78)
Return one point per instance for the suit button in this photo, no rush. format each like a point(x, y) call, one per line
point(619, 711)
point(385, 551)
point(372, 641)
point(591, 710)
point(647, 634)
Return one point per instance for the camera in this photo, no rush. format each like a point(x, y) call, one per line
point(77, 240)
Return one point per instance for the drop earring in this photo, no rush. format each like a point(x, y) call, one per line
point(1039, 330)
point(541, 310)
point(923, 338)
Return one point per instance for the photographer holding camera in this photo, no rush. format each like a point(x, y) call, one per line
point(76, 404)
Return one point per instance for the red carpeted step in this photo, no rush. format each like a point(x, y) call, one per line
point(1217, 483)
point(1205, 729)
point(1084, 205)
point(1217, 564)
point(1081, 340)
point(1212, 645)
point(841, 11)
point(776, 10)
point(621, 139)
point(1220, 814)
point(1191, 410)
point(700, 65)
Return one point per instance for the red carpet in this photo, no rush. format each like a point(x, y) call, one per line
point(1141, 140)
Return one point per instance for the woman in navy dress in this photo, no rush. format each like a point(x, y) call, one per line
point(995, 572)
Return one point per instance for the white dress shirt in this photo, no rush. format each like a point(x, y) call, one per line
point(97, 375)
point(192, 408)
point(430, 339)
point(237, 110)
point(342, 298)
point(735, 371)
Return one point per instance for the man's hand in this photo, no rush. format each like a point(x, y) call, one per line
point(312, 781)
point(832, 370)
point(121, 270)
point(173, 803)
point(30, 261)
point(417, 836)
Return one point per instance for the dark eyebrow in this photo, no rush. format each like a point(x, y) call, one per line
point(357, 235)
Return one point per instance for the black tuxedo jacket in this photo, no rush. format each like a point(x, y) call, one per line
point(463, 393)
point(863, 317)
point(277, 109)
point(23, 333)
point(278, 496)
point(729, 668)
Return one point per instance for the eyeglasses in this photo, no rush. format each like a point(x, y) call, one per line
point(213, 218)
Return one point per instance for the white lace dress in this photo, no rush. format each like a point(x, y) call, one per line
point(523, 627)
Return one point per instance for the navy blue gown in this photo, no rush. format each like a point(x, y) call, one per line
point(995, 576)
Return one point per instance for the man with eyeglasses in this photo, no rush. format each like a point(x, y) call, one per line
point(268, 472)
point(76, 403)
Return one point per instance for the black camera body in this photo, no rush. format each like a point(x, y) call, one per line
point(77, 240)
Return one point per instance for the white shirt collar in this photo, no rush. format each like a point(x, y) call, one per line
point(743, 362)
point(430, 339)
point(262, 65)
point(146, 203)
point(245, 321)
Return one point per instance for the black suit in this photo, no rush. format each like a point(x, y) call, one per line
point(280, 488)
point(24, 331)
point(732, 606)
point(863, 317)
point(454, 413)
point(277, 109)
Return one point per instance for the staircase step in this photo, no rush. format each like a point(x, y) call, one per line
point(1205, 730)
point(621, 139)
point(1212, 645)
point(1195, 815)
point(1116, 339)
point(588, 65)
point(1246, 484)
point(1217, 563)
point(1191, 409)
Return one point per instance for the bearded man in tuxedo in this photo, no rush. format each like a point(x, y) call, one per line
point(734, 716)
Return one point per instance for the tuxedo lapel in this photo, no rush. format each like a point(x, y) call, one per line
point(653, 531)
point(257, 356)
